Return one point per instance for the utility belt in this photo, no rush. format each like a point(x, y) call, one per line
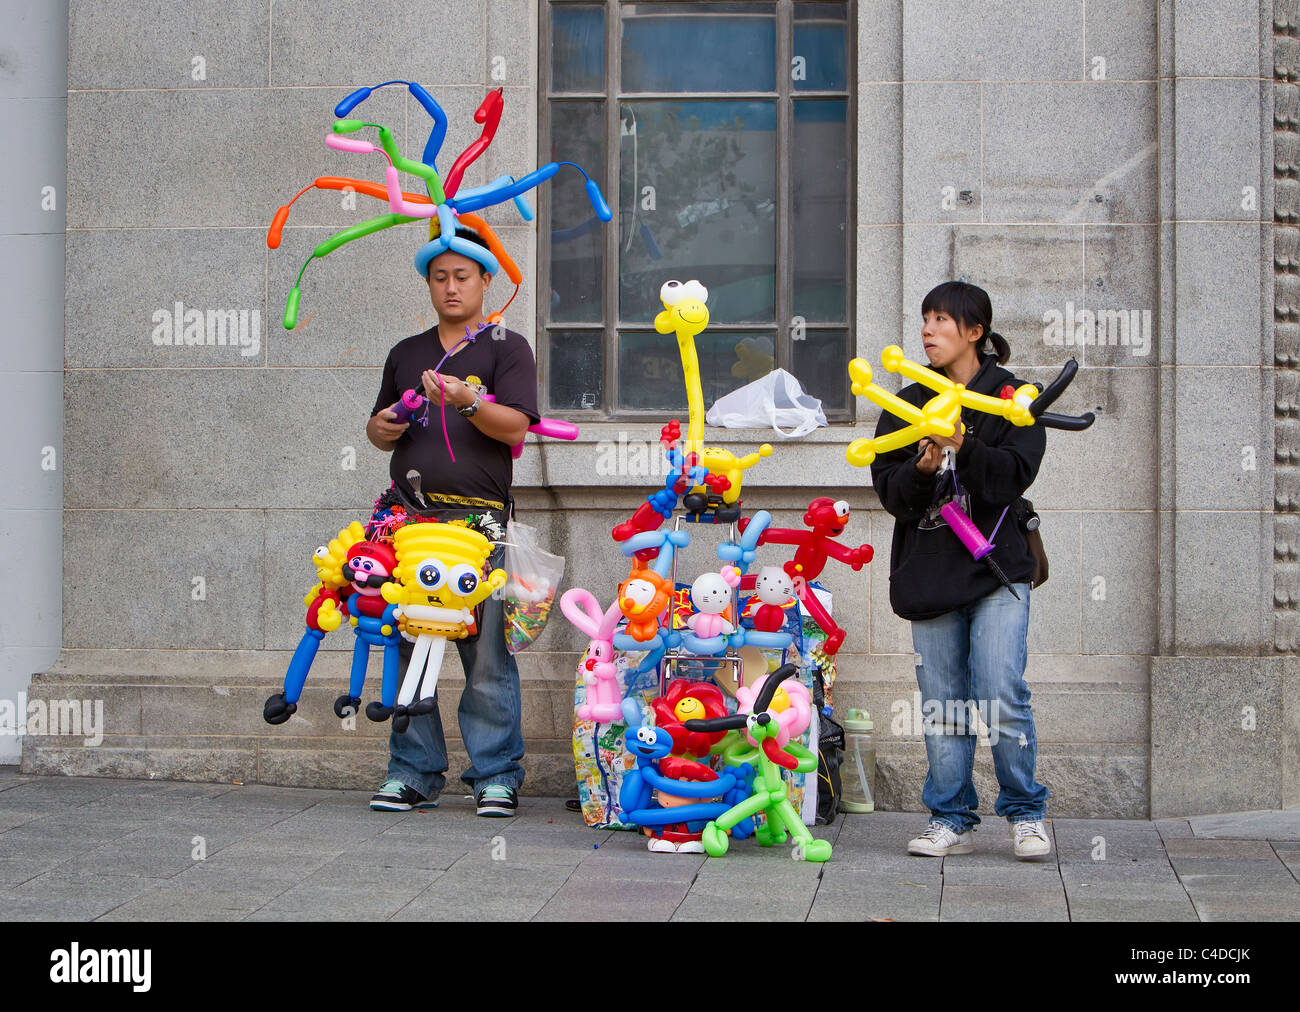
point(444, 506)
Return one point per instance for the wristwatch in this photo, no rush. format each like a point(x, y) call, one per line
point(472, 409)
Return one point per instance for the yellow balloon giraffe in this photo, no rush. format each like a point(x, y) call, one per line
point(686, 313)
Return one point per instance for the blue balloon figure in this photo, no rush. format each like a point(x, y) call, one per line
point(370, 633)
point(648, 745)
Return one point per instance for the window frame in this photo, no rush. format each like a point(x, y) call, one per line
point(612, 97)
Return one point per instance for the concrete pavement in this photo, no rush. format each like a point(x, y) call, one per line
point(83, 849)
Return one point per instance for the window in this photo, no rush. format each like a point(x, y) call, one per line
point(724, 129)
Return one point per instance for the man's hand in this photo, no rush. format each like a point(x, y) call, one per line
point(383, 429)
point(455, 392)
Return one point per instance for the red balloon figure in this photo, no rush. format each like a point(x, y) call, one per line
point(826, 519)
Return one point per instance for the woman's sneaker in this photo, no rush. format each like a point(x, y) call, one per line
point(498, 800)
point(396, 796)
point(1030, 839)
point(939, 841)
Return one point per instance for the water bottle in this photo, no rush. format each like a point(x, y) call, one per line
point(858, 770)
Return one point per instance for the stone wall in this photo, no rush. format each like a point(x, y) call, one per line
point(1095, 162)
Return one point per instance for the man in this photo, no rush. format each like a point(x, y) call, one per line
point(497, 362)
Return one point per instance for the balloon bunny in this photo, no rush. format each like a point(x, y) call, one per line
point(604, 701)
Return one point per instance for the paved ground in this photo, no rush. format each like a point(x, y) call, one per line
point(84, 849)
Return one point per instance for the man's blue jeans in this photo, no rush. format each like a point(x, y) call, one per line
point(973, 659)
point(490, 713)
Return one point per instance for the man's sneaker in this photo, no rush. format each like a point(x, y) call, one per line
point(939, 841)
point(396, 796)
point(498, 800)
point(1030, 840)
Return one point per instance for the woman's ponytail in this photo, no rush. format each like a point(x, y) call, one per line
point(999, 346)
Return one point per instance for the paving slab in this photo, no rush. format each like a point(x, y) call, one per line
point(614, 899)
point(1111, 909)
point(1235, 905)
point(1270, 825)
point(10, 817)
point(347, 893)
point(1124, 873)
point(528, 852)
point(855, 893)
point(1173, 829)
point(1001, 869)
point(140, 855)
point(57, 897)
point(748, 906)
point(1002, 903)
point(14, 871)
point(1290, 856)
point(482, 892)
point(1122, 890)
point(614, 860)
point(168, 902)
point(59, 794)
point(1241, 850)
point(394, 852)
point(1239, 877)
point(724, 876)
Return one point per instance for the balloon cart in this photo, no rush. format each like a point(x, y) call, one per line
point(693, 700)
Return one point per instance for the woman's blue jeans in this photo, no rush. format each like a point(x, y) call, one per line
point(490, 716)
point(972, 660)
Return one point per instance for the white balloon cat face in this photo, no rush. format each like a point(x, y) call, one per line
point(711, 592)
point(774, 585)
point(674, 292)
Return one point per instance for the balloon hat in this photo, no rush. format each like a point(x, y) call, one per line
point(446, 201)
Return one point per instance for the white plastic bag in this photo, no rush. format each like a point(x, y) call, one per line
point(776, 400)
point(533, 576)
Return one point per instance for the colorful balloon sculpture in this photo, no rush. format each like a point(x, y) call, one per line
point(446, 202)
point(668, 797)
point(440, 569)
point(398, 576)
point(767, 730)
point(942, 413)
point(686, 314)
point(826, 519)
point(604, 703)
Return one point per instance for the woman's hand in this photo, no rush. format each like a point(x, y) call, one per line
point(931, 456)
point(954, 441)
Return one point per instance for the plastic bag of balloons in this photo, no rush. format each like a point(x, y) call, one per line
point(529, 591)
point(775, 400)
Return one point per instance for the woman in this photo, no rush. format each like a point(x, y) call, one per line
point(968, 628)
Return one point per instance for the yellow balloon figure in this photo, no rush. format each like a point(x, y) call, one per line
point(440, 566)
point(724, 462)
point(939, 416)
point(329, 561)
point(687, 314)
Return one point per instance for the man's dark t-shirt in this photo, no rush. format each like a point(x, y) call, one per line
point(498, 362)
